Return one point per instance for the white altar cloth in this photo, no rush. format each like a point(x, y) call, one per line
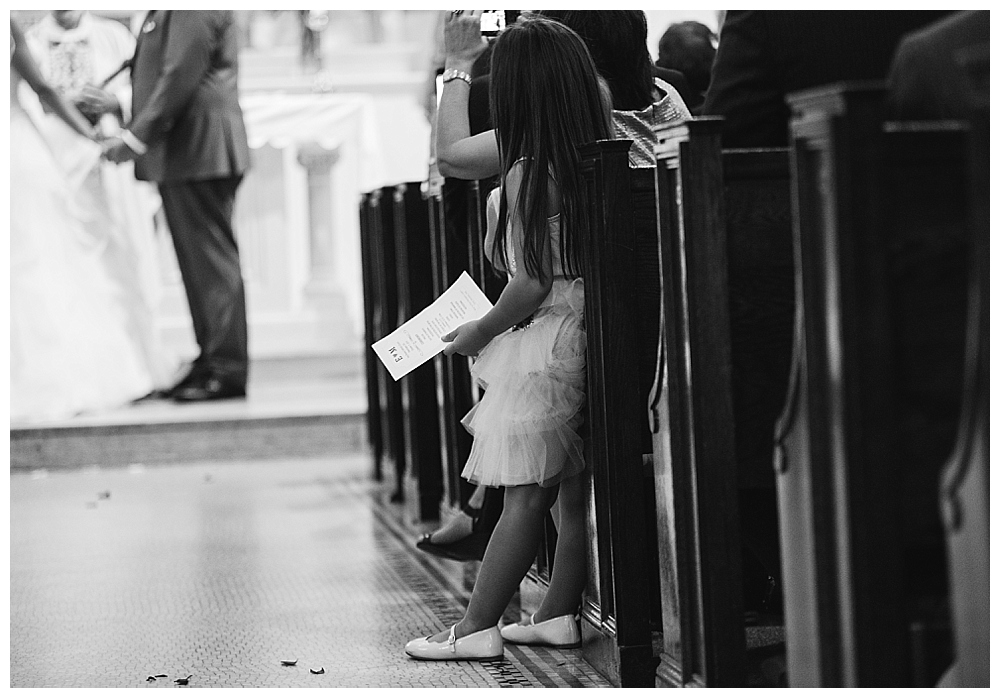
point(281, 120)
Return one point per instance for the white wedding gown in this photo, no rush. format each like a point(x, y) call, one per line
point(70, 352)
point(116, 209)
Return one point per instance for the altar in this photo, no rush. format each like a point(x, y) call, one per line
point(297, 218)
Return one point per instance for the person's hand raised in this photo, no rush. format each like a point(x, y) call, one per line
point(463, 39)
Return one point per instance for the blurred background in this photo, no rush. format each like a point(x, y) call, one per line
point(337, 103)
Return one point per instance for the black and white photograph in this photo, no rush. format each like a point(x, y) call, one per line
point(466, 349)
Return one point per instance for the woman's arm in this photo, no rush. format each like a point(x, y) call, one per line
point(25, 64)
point(520, 297)
point(458, 153)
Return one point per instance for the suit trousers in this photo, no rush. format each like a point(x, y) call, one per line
point(200, 217)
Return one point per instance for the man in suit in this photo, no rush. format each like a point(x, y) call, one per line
point(764, 55)
point(187, 135)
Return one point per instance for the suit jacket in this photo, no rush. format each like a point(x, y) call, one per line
point(764, 55)
point(926, 80)
point(185, 104)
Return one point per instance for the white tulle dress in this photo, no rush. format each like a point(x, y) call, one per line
point(534, 375)
point(69, 349)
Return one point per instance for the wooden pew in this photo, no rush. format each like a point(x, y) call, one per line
point(880, 242)
point(385, 315)
point(458, 213)
point(450, 202)
point(726, 339)
point(372, 365)
point(418, 395)
point(965, 486)
point(619, 611)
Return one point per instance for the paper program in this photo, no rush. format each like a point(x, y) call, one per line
point(419, 338)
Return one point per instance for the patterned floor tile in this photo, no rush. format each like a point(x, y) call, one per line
point(221, 571)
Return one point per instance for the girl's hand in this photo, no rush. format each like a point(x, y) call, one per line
point(463, 38)
point(467, 340)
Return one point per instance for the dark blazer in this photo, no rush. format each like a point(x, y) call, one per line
point(185, 104)
point(926, 80)
point(764, 55)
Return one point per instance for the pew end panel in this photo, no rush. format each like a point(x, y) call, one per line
point(435, 217)
point(386, 319)
point(453, 244)
point(372, 364)
point(418, 394)
point(617, 607)
point(879, 228)
point(965, 487)
point(691, 417)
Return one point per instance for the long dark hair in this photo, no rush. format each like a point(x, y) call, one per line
point(617, 42)
point(545, 101)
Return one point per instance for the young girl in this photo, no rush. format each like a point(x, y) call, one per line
point(530, 347)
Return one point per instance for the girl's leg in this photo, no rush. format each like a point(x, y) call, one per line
point(511, 550)
point(569, 569)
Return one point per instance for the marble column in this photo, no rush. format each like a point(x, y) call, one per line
point(318, 162)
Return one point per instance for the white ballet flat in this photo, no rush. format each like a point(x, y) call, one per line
point(561, 632)
point(484, 646)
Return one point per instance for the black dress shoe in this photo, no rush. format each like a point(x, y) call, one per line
point(194, 375)
point(155, 394)
point(209, 388)
point(160, 393)
point(471, 547)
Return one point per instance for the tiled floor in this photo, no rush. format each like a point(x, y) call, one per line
point(222, 571)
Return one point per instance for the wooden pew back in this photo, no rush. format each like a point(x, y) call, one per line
point(385, 319)
point(725, 346)
point(454, 213)
point(414, 281)
point(619, 606)
point(965, 485)
point(367, 214)
point(880, 242)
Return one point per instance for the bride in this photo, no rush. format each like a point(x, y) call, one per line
point(69, 349)
point(76, 52)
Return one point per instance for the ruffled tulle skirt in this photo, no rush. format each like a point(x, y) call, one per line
point(525, 426)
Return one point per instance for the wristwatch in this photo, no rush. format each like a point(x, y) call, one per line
point(452, 74)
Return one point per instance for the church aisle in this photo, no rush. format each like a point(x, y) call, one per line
point(223, 571)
